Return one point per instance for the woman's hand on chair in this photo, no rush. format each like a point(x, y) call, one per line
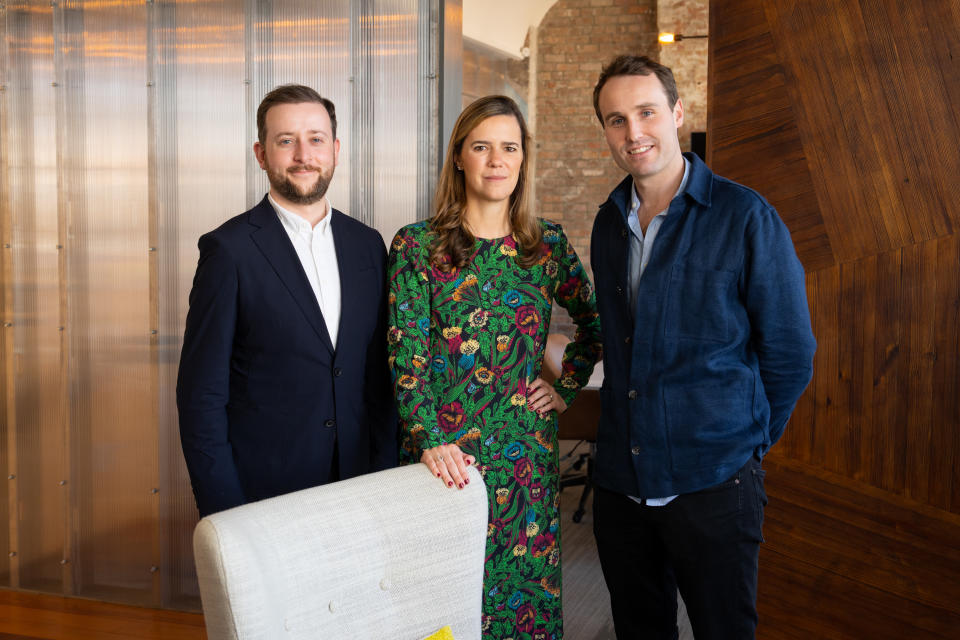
point(542, 397)
point(448, 463)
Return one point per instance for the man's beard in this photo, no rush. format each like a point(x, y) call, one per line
point(290, 191)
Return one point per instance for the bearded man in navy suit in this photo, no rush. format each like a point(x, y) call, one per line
point(284, 382)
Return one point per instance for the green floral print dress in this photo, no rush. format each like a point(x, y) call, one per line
point(464, 345)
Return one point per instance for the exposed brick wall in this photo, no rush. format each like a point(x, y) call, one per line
point(688, 59)
point(518, 72)
point(574, 172)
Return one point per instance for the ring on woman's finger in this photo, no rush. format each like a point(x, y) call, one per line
point(440, 458)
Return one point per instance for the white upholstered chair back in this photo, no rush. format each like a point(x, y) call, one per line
point(392, 555)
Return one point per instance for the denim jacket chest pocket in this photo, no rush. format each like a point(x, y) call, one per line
point(698, 303)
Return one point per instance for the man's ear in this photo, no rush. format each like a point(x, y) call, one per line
point(259, 152)
point(678, 113)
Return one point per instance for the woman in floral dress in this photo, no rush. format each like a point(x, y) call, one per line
point(470, 297)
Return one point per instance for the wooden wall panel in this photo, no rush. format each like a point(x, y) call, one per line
point(945, 442)
point(843, 560)
point(872, 117)
point(845, 114)
point(884, 457)
point(757, 138)
point(883, 405)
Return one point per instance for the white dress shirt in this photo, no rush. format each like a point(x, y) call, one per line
point(315, 248)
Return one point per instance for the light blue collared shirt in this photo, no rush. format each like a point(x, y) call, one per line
point(641, 246)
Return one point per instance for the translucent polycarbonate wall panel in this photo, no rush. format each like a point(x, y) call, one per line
point(201, 130)
point(36, 455)
point(6, 279)
point(305, 42)
point(6, 337)
point(391, 112)
point(113, 410)
point(126, 132)
point(451, 68)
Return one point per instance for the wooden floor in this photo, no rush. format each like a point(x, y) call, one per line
point(29, 616)
point(586, 602)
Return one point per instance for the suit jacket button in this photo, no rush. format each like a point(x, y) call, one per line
point(329, 423)
point(632, 394)
point(619, 289)
point(338, 372)
point(635, 451)
point(623, 233)
point(626, 340)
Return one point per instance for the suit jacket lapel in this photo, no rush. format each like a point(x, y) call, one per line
point(273, 241)
point(348, 264)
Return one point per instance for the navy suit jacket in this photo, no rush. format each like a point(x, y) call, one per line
point(263, 395)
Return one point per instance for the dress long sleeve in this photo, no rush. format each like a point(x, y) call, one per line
point(409, 301)
point(574, 292)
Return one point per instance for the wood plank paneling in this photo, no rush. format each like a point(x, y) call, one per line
point(845, 560)
point(871, 118)
point(838, 608)
point(884, 457)
point(756, 137)
point(919, 288)
point(863, 98)
point(826, 285)
point(882, 407)
point(945, 442)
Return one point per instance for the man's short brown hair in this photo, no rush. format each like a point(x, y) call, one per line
point(292, 94)
point(629, 65)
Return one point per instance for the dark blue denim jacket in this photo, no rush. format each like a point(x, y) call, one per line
point(721, 347)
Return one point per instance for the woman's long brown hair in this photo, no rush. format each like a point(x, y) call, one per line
point(453, 243)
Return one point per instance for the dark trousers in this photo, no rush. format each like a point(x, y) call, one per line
point(705, 544)
point(334, 475)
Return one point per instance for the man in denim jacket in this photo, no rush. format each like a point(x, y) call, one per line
point(707, 347)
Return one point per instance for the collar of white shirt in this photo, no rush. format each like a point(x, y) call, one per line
point(298, 224)
point(316, 250)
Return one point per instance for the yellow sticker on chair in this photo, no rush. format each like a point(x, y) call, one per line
point(442, 634)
